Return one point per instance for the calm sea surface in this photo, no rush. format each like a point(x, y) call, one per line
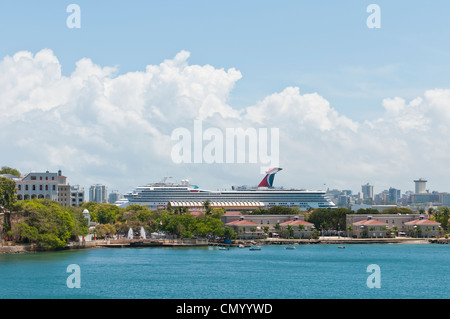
point(310, 271)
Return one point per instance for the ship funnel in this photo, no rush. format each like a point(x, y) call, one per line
point(268, 179)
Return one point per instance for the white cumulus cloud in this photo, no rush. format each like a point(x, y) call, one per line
point(103, 127)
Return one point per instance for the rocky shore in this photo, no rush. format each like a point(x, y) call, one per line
point(10, 248)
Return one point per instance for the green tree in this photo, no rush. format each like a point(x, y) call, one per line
point(398, 210)
point(350, 230)
point(9, 170)
point(229, 233)
point(48, 224)
point(331, 218)
point(301, 228)
point(7, 192)
point(290, 231)
point(442, 215)
point(7, 200)
point(207, 206)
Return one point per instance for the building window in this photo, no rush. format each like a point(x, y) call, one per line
point(20, 187)
point(26, 187)
point(46, 187)
point(34, 187)
point(40, 177)
point(54, 187)
point(46, 178)
point(40, 187)
point(33, 178)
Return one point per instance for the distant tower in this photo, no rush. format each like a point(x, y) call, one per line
point(421, 185)
point(97, 193)
point(367, 191)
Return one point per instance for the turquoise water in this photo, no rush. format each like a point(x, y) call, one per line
point(310, 271)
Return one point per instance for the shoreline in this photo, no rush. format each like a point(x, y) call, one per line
point(33, 248)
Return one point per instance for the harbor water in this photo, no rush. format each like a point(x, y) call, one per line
point(418, 271)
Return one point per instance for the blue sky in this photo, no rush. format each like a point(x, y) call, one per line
point(322, 47)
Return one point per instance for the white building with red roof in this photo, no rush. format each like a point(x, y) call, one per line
point(300, 228)
point(423, 227)
point(246, 229)
point(369, 228)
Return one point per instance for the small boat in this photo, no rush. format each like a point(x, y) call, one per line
point(342, 247)
point(224, 248)
point(241, 246)
point(290, 247)
point(255, 248)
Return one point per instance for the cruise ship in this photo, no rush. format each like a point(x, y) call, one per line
point(160, 195)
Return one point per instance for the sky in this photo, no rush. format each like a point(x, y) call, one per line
point(352, 104)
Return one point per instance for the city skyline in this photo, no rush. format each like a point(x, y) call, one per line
point(352, 104)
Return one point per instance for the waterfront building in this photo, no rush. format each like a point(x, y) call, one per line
point(261, 221)
point(45, 185)
point(301, 229)
point(98, 193)
point(369, 228)
point(246, 229)
point(76, 195)
point(395, 222)
point(63, 190)
point(423, 227)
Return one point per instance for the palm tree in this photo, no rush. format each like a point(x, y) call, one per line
point(266, 230)
point(207, 205)
point(372, 229)
point(277, 227)
point(395, 230)
point(253, 230)
point(290, 230)
point(300, 230)
point(428, 229)
point(350, 230)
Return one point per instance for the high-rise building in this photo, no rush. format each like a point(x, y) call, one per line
point(367, 191)
point(114, 196)
point(394, 195)
point(98, 193)
point(421, 185)
point(76, 195)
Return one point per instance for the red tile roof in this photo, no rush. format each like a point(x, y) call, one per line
point(296, 223)
point(369, 222)
point(231, 213)
point(241, 223)
point(422, 222)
